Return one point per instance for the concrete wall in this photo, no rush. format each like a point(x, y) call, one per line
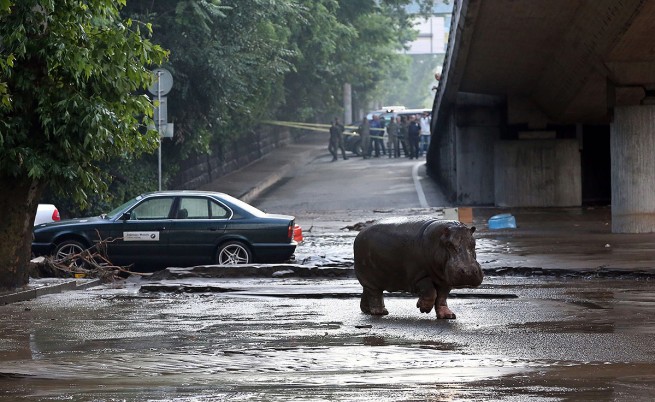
point(441, 157)
point(537, 173)
point(461, 151)
point(632, 143)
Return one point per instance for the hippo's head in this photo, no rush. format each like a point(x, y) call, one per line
point(461, 268)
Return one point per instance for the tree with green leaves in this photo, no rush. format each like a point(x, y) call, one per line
point(346, 41)
point(228, 59)
point(73, 75)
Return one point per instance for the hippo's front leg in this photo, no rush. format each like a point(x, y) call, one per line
point(426, 295)
point(441, 305)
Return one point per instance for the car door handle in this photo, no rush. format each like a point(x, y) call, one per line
point(161, 228)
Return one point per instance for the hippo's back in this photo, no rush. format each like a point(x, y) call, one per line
point(390, 253)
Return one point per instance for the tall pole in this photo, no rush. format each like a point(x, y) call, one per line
point(159, 123)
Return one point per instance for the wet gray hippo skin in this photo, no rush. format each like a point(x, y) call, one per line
point(424, 256)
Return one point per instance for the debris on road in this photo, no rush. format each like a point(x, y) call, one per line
point(358, 226)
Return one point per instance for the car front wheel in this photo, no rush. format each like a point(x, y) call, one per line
point(68, 248)
point(357, 148)
point(232, 253)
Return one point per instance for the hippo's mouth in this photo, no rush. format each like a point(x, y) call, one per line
point(465, 277)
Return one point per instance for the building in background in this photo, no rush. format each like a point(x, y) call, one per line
point(433, 32)
point(427, 54)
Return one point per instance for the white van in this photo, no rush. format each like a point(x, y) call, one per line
point(385, 109)
point(405, 112)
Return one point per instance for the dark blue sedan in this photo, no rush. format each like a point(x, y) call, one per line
point(175, 228)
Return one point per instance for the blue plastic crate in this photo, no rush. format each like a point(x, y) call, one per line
point(502, 221)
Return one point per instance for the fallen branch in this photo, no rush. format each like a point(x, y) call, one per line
point(90, 263)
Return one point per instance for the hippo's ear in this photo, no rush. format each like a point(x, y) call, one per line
point(472, 229)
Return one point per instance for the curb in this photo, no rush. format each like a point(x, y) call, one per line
point(36, 289)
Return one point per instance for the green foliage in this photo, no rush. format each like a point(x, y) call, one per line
point(227, 59)
point(72, 72)
point(130, 176)
point(322, 59)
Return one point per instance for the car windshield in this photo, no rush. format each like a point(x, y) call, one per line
point(114, 213)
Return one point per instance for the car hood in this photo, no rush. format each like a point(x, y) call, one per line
point(71, 222)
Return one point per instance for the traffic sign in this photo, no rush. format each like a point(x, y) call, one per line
point(163, 82)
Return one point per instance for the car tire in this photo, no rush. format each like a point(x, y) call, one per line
point(357, 148)
point(67, 248)
point(233, 253)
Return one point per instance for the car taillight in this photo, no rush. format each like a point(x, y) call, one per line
point(297, 233)
point(55, 215)
point(290, 231)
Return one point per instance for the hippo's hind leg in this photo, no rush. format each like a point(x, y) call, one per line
point(372, 302)
point(441, 304)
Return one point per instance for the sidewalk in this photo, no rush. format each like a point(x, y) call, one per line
point(46, 286)
point(562, 241)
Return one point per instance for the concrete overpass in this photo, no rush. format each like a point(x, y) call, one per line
point(549, 103)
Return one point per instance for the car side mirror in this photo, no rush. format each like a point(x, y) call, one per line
point(126, 216)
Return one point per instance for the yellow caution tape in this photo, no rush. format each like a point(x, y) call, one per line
point(324, 128)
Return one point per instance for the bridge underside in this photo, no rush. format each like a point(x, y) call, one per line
point(540, 103)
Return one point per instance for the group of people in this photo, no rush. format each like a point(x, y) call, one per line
point(409, 132)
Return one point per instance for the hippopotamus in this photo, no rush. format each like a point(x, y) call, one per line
point(425, 256)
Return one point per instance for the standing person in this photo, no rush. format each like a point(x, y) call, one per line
point(365, 135)
point(424, 123)
point(402, 135)
point(377, 134)
point(413, 133)
point(336, 139)
point(392, 133)
point(383, 126)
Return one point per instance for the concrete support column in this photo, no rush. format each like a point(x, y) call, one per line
point(347, 104)
point(632, 146)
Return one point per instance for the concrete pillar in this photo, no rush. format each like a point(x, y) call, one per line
point(347, 104)
point(632, 146)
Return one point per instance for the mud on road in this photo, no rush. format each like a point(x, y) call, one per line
point(298, 339)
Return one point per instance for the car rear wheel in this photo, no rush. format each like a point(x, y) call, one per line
point(232, 253)
point(68, 248)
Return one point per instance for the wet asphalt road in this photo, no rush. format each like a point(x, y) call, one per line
point(284, 338)
point(280, 339)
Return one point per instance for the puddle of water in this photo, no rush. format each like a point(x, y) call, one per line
point(326, 249)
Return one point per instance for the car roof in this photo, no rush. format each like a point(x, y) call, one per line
point(183, 192)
